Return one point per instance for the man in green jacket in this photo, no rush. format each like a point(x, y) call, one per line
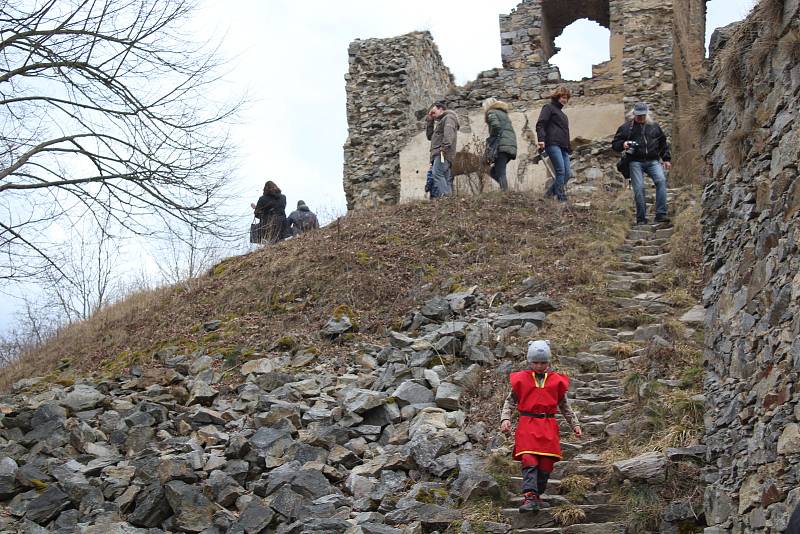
point(502, 133)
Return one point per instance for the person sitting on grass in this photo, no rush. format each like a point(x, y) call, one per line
point(536, 394)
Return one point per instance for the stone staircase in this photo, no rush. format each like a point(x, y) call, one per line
point(596, 391)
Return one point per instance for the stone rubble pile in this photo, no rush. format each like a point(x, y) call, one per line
point(387, 446)
point(293, 448)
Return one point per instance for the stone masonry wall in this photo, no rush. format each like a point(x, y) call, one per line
point(647, 57)
point(751, 229)
point(392, 81)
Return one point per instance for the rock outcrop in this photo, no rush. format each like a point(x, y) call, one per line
point(752, 260)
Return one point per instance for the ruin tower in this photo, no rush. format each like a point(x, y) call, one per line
point(392, 82)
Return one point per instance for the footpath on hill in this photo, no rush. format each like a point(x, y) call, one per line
point(395, 434)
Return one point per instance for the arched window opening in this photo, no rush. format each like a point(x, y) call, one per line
point(582, 49)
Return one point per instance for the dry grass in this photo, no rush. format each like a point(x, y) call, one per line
point(575, 487)
point(736, 147)
point(566, 515)
point(379, 263)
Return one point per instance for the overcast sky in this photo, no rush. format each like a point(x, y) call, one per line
point(290, 58)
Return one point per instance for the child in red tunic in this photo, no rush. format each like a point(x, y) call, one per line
point(537, 394)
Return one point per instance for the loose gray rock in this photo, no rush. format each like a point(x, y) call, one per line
point(47, 506)
point(412, 393)
point(82, 397)
point(193, 511)
point(151, 508)
point(519, 319)
point(536, 304)
point(448, 396)
point(649, 467)
point(256, 518)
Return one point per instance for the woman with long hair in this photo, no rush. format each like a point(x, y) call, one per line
point(270, 210)
point(552, 130)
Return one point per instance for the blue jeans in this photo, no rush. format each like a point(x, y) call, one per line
point(442, 182)
point(559, 157)
point(653, 169)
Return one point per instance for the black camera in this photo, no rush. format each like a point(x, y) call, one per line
point(631, 148)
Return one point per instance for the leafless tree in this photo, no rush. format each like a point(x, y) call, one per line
point(107, 115)
point(187, 253)
point(86, 279)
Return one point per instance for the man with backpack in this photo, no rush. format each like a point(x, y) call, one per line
point(647, 151)
point(302, 219)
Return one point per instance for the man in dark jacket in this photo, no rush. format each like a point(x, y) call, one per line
point(302, 219)
point(442, 131)
point(552, 130)
point(646, 146)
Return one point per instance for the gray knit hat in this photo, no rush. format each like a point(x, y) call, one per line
point(539, 351)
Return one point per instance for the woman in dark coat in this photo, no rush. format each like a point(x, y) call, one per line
point(552, 129)
point(271, 213)
point(500, 128)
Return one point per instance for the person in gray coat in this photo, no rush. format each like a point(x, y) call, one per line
point(502, 132)
point(442, 131)
point(302, 219)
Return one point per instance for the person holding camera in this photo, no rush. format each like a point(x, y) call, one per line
point(442, 131)
point(552, 130)
point(647, 151)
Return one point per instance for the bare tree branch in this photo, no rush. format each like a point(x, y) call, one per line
point(107, 109)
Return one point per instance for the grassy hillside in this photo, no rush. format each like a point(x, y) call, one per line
point(378, 264)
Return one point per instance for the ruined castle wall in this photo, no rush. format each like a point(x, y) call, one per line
point(647, 56)
point(409, 73)
point(690, 80)
point(751, 228)
point(389, 83)
point(594, 119)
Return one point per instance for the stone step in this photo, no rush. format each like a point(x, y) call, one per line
point(649, 306)
point(635, 267)
point(653, 260)
point(591, 497)
point(628, 275)
point(593, 513)
point(552, 500)
point(581, 528)
point(597, 377)
point(586, 362)
point(649, 241)
point(593, 383)
point(597, 407)
point(599, 394)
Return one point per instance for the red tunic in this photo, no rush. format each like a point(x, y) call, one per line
point(535, 435)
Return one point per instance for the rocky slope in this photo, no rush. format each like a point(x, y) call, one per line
point(401, 438)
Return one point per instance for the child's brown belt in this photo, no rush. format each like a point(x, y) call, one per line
point(538, 415)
